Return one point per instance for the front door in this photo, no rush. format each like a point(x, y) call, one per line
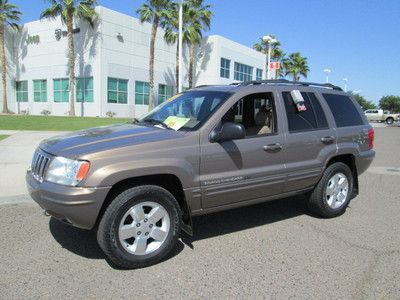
point(248, 168)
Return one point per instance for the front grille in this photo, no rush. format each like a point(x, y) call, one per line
point(40, 163)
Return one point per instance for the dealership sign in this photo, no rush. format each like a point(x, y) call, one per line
point(58, 33)
point(274, 65)
point(33, 39)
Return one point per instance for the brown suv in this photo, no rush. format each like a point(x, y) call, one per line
point(208, 149)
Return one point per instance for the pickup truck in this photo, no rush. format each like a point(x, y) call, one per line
point(380, 115)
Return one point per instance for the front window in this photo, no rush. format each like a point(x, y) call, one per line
point(225, 68)
point(142, 92)
point(21, 88)
point(259, 74)
point(186, 111)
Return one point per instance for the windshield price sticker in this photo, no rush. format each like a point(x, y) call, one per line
point(176, 122)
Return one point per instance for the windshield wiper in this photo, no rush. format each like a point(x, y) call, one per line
point(157, 122)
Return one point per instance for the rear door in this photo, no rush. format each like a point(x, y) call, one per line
point(309, 140)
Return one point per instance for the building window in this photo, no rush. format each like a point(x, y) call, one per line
point(21, 88)
point(117, 91)
point(84, 89)
point(225, 66)
point(243, 72)
point(61, 90)
point(164, 92)
point(259, 74)
point(142, 92)
point(40, 90)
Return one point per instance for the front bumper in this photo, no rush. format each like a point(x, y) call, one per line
point(79, 206)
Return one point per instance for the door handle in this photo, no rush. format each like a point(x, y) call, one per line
point(273, 147)
point(328, 139)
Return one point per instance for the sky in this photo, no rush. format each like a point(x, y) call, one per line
point(356, 39)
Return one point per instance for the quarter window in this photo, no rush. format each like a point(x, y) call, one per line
point(310, 119)
point(61, 90)
point(243, 72)
point(84, 89)
point(142, 92)
point(117, 91)
point(40, 90)
point(21, 88)
point(343, 110)
point(225, 68)
point(164, 92)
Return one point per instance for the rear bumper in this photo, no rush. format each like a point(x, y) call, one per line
point(78, 206)
point(364, 160)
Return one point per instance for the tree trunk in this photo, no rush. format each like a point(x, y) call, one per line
point(3, 62)
point(151, 63)
point(191, 65)
point(177, 67)
point(71, 64)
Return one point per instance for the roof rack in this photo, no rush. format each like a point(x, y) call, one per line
point(284, 81)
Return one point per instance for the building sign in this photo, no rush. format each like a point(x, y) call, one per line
point(58, 33)
point(33, 39)
point(275, 65)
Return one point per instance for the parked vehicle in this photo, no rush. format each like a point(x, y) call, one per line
point(208, 149)
point(380, 115)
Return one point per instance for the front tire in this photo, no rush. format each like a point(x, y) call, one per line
point(140, 227)
point(332, 194)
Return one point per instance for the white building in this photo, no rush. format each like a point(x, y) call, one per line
point(112, 61)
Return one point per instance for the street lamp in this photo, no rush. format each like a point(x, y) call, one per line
point(180, 46)
point(345, 80)
point(269, 40)
point(327, 72)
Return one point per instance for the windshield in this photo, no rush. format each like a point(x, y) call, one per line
point(186, 111)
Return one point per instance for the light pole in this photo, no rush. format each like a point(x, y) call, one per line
point(180, 46)
point(345, 84)
point(327, 72)
point(269, 40)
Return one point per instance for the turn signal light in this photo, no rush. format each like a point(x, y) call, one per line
point(371, 137)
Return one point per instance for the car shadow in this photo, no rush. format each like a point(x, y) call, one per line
point(83, 242)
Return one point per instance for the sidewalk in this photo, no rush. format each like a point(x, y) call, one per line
point(15, 157)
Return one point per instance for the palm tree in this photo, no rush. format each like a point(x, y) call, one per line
point(9, 16)
point(277, 53)
point(155, 11)
point(296, 66)
point(196, 18)
point(69, 10)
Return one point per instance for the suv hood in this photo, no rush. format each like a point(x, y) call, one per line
point(105, 138)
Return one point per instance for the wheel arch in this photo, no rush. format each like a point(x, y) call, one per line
point(170, 182)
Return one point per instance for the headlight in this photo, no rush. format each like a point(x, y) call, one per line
point(67, 171)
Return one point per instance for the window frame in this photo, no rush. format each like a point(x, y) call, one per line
point(118, 91)
point(225, 68)
point(60, 90)
point(261, 71)
point(21, 92)
point(142, 93)
point(242, 72)
point(41, 91)
point(164, 95)
point(85, 90)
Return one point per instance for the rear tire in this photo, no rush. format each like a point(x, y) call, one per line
point(332, 194)
point(140, 227)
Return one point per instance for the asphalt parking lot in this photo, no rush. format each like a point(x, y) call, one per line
point(272, 250)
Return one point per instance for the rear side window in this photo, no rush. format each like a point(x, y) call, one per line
point(311, 119)
point(343, 110)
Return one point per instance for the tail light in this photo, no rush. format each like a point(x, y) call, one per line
point(371, 137)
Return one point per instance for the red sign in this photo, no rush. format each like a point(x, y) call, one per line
point(274, 65)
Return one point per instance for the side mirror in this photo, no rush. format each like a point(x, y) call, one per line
point(227, 132)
